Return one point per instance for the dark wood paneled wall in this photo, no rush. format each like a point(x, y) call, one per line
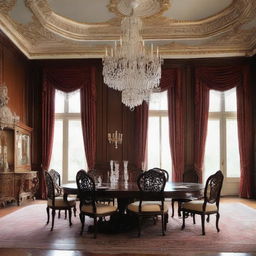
point(14, 72)
point(113, 115)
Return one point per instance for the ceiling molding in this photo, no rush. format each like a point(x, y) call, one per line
point(50, 35)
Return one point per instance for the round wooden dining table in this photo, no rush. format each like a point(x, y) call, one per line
point(126, 193)
point(130, 189)
point(122, 190)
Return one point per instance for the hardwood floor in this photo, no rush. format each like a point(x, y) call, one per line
point(46, 252)
point(40, 252)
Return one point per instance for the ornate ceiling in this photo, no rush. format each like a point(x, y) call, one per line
point(84, 28)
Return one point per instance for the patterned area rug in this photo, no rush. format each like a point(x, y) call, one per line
point(25, 228)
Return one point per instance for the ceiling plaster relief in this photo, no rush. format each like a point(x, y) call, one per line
point(216, 35)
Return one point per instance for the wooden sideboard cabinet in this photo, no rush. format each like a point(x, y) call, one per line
point(17, 181)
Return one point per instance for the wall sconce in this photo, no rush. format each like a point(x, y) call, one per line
point(115, 138)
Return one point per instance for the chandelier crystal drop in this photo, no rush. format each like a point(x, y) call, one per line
point(130, 66)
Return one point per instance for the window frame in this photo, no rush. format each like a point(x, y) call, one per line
point(223, 116)
point(160, 114)
point(66, 116)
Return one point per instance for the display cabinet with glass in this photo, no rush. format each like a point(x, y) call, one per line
point(15, 165)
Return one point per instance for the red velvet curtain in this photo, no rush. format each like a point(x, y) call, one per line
point(141, 132)
point(225, 78)
point(68, 79)
point(172, 81)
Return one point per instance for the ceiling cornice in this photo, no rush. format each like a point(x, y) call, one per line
point(50, 35)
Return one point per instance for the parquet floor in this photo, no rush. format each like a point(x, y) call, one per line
point(46, 252)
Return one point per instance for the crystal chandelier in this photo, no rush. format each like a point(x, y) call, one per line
point(7, 118)
point(130, 66)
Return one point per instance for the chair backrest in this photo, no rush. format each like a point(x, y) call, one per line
point(151, 185)
point(190, 176)
point(151, 181)
point(56, 181)
point(163, 171)
point(213, 188)
point(86, 187)
point(55, 176)
point(50, 186)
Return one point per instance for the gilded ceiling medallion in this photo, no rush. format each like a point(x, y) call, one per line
point(145, 8)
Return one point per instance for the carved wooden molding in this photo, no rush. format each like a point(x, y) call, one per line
point(50, 35)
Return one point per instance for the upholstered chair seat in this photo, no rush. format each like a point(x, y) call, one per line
point(100, 208)
point(147, 206)
point(60, 202)
point(197, 206)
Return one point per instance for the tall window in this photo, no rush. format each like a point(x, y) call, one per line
point(222, 150)
point(158, 133)
point(68, 155)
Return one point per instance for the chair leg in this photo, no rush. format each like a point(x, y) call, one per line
point(203, 221)
point(95, 227)
point(59, 214)
point(194, 218)
point(217, 221)
point(69, 216)
point(172, 208)
point(183, 219)
point(208, 218)
point(166, 216)
point(74, 210)
point(179, 209)
point(81, 215)
point(53, 216)
point(48, 215)
point(163, 223)
point(65, 214)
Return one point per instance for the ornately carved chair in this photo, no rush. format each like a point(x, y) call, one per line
point(58, 189)
point(209, 204)
point(151, 200)
point(88, 201)
point(188, 176)
point(103, 176)
point(57, 202)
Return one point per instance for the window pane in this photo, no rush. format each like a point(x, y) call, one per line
point(166, 162)
point(212, 149)
point(74, 102)
point(158, 101)
point(76, 155)
point(57, 150)
point(230, 100)
point(233, 159)
point(215, 99)
point(59, 101)
point(153, 142)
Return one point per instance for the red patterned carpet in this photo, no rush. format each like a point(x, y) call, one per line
point(26, 228)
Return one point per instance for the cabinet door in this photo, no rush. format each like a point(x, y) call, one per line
point(6, 185)
point(22, 150)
